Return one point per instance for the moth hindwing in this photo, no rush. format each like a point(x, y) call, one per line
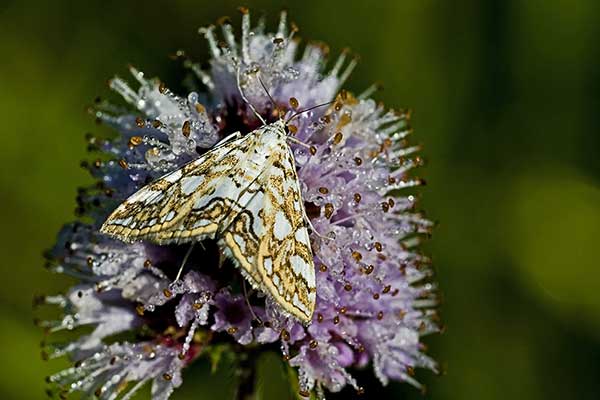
point(245, 193)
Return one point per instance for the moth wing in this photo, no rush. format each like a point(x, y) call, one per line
point(270, 241)
point(254, 205)
point(157, 210)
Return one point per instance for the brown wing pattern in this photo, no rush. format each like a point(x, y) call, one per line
point(246, 193)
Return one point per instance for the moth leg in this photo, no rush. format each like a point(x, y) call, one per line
point(313, 229)
point(185, 258)
point(246, 295)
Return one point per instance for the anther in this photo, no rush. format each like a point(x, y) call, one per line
point(162, 88)
point(135, 141)
point(328, 210)
point(345, 119)
point(285, 335)
point(123, 164)
point(323, 268)
point(357, 198)
point(338, 138)
point(294, 103)
point(232, 330)
point(313, 344)
point(378, 246)
point(140, 122)
point(167, 377)
point(358, 160)
point(167, 293)
point(186, 129)
point(225, 20)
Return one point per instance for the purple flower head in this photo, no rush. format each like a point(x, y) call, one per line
point(375, 299)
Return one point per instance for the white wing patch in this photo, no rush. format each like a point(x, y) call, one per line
point(244, 192)
point(282, 226)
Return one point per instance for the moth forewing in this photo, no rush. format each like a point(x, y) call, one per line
point(246, 193)
point(158, 208)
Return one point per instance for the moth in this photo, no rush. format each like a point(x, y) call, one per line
point(245, 193)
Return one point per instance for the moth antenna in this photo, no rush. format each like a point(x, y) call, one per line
point(308, 109)
point(256, 317)
point(239, 86)
point(269, 95)
point(185, 258)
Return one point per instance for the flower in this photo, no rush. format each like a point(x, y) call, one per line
point(375, 296)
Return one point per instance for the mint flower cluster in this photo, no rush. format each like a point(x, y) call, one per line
point(138, 325)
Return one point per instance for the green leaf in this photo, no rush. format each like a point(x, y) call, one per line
point(216, 354)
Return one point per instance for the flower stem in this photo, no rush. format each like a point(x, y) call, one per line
point(246, 378)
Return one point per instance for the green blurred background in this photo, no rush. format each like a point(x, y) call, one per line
point(506, 96)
